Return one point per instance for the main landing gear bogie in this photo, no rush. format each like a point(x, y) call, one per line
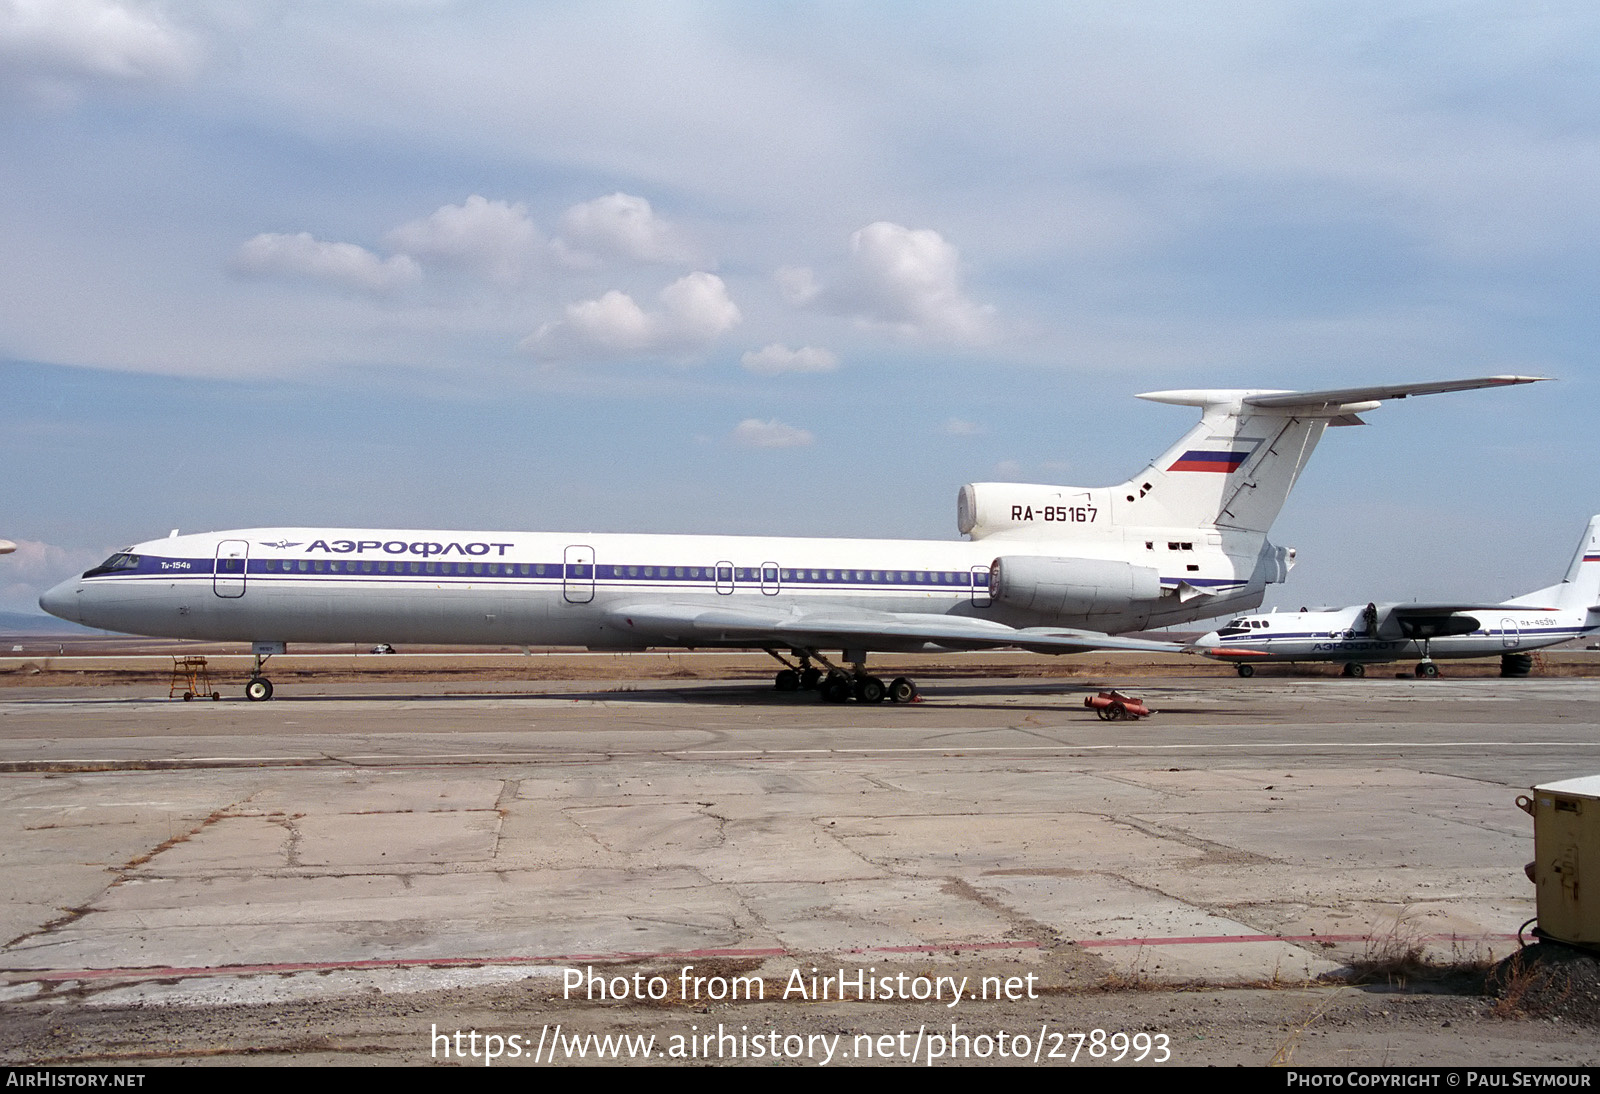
point(865, 688)
point(869, 689)
point(835, 688)
point(837, 685)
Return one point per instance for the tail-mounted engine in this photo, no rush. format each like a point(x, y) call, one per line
point(984, 508)
point(1072, 587)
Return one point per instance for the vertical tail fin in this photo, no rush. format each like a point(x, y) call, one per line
point(1580, 589)
point(1235, 469)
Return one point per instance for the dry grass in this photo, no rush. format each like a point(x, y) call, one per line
point(1401, 957)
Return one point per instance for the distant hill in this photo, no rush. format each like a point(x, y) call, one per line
point(27, 623)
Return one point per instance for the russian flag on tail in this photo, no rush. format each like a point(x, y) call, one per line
point(1201, 460)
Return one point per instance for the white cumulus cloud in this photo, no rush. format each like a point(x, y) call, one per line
point(302, 255)
point(55, 43)
point(777, 359)
point(494, 238)
point(695, 310)
point(906, 279)
point(618, 226)
point(754, 433)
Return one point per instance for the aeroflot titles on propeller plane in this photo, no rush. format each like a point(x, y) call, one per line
point(1052, 569)
point(1360, 636)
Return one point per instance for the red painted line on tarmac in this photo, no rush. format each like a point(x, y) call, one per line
point(1215, 939)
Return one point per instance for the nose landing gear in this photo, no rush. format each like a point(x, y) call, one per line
point(258, 689)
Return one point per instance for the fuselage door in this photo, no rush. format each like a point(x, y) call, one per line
point(724, 577)
point(980, 587)
point(233, 557)
point(769, 578)
point(1510, 637)
point(577, 583)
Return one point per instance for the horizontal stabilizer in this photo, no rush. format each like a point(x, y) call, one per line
point(1347, 395)
point(1327, 402)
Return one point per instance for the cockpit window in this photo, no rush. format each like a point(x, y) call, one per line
point(122, 560)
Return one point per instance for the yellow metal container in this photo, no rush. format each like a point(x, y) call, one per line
point(1566, 850)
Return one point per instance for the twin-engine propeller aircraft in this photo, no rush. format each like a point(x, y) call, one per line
point(1360, 636)
point(1051, 569)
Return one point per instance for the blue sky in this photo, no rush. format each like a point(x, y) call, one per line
point(790, 269)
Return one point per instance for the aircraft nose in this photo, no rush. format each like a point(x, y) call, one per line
point(62, 601)
point(1209, 641)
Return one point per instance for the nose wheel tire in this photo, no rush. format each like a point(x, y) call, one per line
point(258, 690)
point(1247, 670)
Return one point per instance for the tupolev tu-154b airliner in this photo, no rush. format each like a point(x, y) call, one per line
point(1050, 569)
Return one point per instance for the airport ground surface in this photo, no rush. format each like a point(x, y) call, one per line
point(396, 848)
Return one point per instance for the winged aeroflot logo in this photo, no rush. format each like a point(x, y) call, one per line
point(283, 544)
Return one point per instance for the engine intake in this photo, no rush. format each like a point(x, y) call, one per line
point(985, 508)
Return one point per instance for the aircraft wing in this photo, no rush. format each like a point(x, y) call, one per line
point(692, 624)
point(1405, 611)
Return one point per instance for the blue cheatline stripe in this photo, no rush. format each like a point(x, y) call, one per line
point(1259, 638)
point(546, 573)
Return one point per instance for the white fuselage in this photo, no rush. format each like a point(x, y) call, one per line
point(1342, 635)
point(518, 588)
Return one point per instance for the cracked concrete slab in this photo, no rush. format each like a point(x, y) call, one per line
point(503, 830)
